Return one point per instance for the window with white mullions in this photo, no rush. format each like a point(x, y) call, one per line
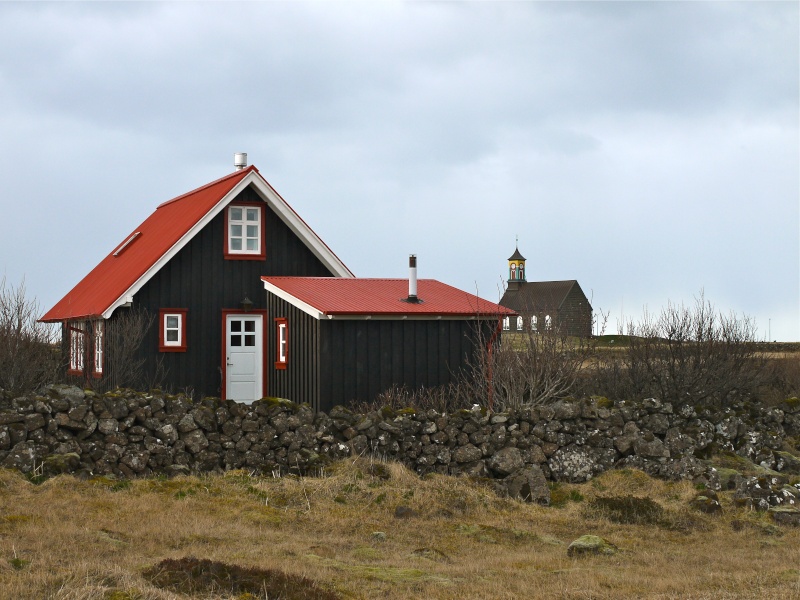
point(172, 330)
point(282, 342)
point(77, 346)
point(244, 230)
point(99, 342)
point(282, 350)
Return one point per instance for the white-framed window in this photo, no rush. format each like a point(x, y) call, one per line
point(244, 230)
point(534, 323)
point(99, 347)
point(172, 330)
point(506, 323)
point(77, 345)
point(282, 343)
point(519, 323)
point(548, 322)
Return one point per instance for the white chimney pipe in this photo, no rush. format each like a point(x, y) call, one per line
point(412, 278)
point(240, 160)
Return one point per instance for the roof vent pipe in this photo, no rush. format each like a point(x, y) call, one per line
point(240, 160)
point(412, 278)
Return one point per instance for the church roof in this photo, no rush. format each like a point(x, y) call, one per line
point(539, 295)
point(516, 255)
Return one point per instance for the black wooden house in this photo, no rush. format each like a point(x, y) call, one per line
point(338, 341)
point(194, 268)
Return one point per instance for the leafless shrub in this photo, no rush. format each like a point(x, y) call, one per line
point(525, 368)
point(29, 354)
point(443, 399)
point(689, 355)
point(781, 379)
point(127, 332)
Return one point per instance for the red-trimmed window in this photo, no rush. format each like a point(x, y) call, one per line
point(244, 232)
point(99, 347)
point(282, 343)
point(172, 330)
point(77, 347)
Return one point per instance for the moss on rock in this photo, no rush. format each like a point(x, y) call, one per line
point(591, 544)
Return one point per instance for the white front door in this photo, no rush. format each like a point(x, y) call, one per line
point(244, 369)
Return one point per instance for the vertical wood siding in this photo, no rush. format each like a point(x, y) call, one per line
point(199, 279)
point(359, 359)
point(299, 381)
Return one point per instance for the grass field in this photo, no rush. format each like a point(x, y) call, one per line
point(342, 536)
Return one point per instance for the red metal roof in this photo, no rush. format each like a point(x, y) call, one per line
point(339, 296)
point(115, 275)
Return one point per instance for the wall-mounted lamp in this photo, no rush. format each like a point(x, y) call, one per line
point(246, 304)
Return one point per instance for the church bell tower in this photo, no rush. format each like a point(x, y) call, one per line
point(516, 270)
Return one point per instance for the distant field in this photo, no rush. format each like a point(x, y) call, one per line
point(73, 539)
point(623, 341)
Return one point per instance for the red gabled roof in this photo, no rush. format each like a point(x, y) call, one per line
point(161, 233)
point(338, 296)
point(112, 278)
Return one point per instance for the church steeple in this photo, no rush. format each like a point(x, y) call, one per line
point(516, 269)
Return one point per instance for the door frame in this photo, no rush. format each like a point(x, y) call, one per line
point(226, 312)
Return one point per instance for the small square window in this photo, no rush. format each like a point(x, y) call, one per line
point(172, 330)
point(244, 226)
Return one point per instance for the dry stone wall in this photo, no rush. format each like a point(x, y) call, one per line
point(127, 434)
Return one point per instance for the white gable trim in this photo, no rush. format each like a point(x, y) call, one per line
point(293, 300)
point(299, 227)
point(274, 201)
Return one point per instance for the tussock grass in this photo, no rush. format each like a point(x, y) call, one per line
point(338, 535)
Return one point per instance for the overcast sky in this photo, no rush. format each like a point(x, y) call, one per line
point(649, 150)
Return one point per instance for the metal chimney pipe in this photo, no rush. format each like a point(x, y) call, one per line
point(412, 278)
point(240, 160)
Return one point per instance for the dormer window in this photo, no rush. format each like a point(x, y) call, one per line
point(244, 226)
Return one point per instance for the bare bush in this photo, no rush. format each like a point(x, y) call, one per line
point(29, 353)
point(781, 379)
point(127, 332)
point(692, 355)
point(443, 399)
point(526, 368)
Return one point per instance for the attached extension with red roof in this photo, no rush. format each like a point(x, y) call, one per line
point(328, 297)
point(150, 246)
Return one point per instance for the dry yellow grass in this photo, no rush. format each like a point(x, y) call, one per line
point(72, 539)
